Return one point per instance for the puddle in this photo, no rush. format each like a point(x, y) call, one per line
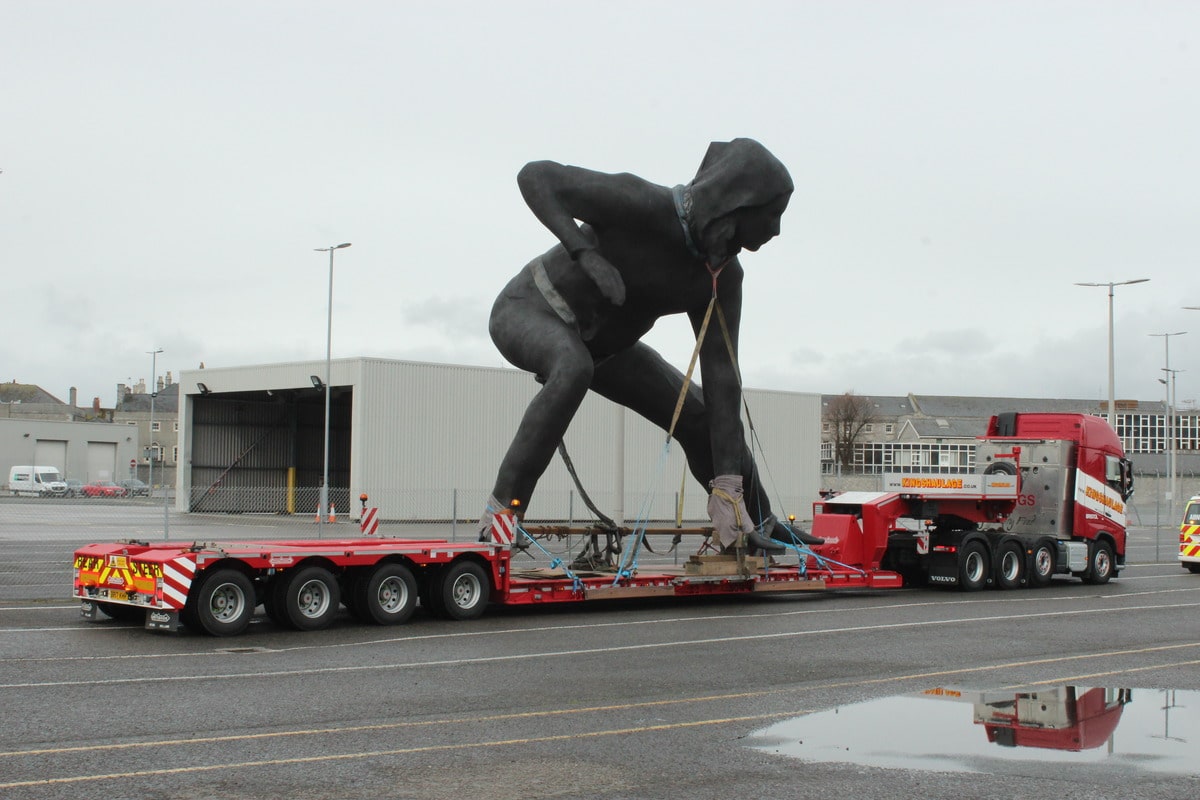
point(961, 730)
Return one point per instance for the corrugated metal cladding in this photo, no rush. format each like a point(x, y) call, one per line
point(424, 442)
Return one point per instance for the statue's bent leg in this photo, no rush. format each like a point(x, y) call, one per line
point(539, 343)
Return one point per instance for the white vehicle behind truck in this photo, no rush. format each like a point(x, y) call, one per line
point(37, 481)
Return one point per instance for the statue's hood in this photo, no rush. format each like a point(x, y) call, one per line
point(737, 174)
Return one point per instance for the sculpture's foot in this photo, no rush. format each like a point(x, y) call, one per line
point(782, 533)
point(757, 544)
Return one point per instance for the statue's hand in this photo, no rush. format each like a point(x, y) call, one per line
point(604, 275)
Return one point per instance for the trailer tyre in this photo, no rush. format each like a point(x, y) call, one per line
point(387, 596)
point(1042, 564)
point(463, 591)
point(122, 613)
point(224, 604)
point(1010, 565)
point(309, 598)
point(1100, 563)
point(429, 589)
point(974, 566)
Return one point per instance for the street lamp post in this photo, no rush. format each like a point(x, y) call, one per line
point(153, 393)
point(1168, 373)
point(323, 502)
point(1112, 401)
point(1172, 457)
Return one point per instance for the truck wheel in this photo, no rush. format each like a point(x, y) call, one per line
point(224, 603)
point(973, 566)
point(464, 590)
point(1043, 564)
point(1100, 563)
point(387, 596)
point(430, 590)
point(309, 598)
point(121, 612)
point(1010, 565)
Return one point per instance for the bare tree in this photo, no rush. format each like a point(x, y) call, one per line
point(847, 415)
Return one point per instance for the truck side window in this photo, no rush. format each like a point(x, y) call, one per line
point(1119, 475)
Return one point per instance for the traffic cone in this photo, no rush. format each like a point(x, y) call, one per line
point(332, 513)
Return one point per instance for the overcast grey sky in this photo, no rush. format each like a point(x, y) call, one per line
point(168, 169)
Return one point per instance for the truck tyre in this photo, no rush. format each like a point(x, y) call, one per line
point(309, 598)
point(974, 566)
point(464, 590)
point(224, 603)
point(386, 596)
point(1100, 563)
point(1042, 564)
point(122, 613)
point(1010, 565)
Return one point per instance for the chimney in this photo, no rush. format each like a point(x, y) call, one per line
point(96, 405)
point(74, 394)
point(159, 385)
point(169, 380)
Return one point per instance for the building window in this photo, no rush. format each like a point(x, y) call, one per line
point(868, 428)
point(156, 426)
point(175, 455)
point(175, 426)
point(889, 428)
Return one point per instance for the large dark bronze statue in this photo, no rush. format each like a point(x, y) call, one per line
point(630, 252)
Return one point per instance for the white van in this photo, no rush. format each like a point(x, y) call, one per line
point(39, 481)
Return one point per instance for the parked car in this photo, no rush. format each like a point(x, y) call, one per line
point(103, 489)
point(74, 487)
point(135, 488)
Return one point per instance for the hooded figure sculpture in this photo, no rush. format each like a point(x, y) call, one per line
point(574, 316)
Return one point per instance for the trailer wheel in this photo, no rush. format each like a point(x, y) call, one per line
point(1042, 564)
point(1010, 565)
point(973, 566)
point(121, 613)
point(429, 588)
point(309, 598)
point(1100, 563)
point(224, 603)
point(464, 590)
point(387, 596)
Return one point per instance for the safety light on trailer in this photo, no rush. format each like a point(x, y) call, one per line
point(944, 548)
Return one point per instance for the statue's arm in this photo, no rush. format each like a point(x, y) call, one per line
point(560, 196)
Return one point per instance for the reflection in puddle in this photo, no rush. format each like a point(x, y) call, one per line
point(960, 730)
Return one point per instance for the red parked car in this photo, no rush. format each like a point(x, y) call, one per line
point(103, 489)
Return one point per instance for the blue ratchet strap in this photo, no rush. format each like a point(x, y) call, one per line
point(803, 550)
point(626, 570)
point(576, 582)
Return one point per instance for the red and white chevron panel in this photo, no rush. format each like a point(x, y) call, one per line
point(369, 524)
point(504, 528)
point(177, 580)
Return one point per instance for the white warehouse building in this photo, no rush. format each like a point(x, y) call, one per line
point(424, 441)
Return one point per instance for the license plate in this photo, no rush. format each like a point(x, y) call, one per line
point(114, 594)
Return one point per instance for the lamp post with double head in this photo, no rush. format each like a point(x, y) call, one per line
point(323, 503)
point(1169, 449)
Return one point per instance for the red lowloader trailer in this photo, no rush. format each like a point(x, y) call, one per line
point(1049, 499)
